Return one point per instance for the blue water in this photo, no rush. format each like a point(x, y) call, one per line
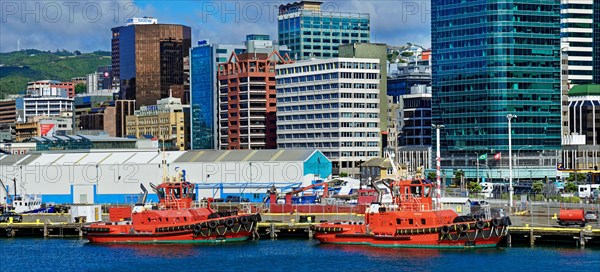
point(38, 254)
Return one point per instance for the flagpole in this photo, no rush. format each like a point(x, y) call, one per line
point(477, 155)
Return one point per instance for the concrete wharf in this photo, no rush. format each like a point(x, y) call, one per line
point(282, 225)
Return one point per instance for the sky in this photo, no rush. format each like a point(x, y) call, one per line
point(86, 25)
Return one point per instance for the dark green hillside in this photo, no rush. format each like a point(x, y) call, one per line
point(19, 67)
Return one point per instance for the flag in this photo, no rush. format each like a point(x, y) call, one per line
point(483, 157)
point(497, 156)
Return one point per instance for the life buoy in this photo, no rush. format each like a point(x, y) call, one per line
point(480, 225)
point(506, 221)
point(212, 224)
point(445, 230)
point(463, 227)
point(244, 220)
point(197, 229)
point(229, 222)
point(495, 222)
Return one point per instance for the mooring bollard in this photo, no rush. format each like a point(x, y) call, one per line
point(531, 237)
point(272, 231)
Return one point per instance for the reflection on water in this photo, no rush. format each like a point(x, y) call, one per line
point(157, 250)
point(386, 253)
point(280, 255)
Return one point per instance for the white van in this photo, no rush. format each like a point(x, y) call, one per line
point(587, 190)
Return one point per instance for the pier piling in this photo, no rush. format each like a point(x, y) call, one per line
point(531, 238)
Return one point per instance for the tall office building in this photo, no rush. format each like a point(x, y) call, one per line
point(311, 32)
point(577, 31)
point(596, 40)
point(409, 130)
point(491, 59)
point(331, 105)
point(148, 59)
point(247, 102)
point(204, 91)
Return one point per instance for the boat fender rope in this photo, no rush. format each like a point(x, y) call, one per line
point(489, 236)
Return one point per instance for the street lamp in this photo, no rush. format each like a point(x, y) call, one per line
point(437, 163)
point(510, 173)
point(519, 156)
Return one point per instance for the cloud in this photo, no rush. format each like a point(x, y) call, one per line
point(86, 25)
point(396, 22)
point(71, 25)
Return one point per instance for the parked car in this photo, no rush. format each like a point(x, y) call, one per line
point(591, 216)
point(17, 218)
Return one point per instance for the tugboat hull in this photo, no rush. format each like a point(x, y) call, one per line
point(479, 234)
point(229, 229)
point(181, 238)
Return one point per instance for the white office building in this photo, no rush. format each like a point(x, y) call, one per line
point(577, 19)
point(29, 107)
point(331, 105)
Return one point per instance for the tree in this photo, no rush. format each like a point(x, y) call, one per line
point(77, 52)
point(579, 178)
point(80, 88)
point(458, 175)
point(537, 186)
point(474, 187)
point(432, 176)
point(407, 54)
point(343, 174)
point(570, 187)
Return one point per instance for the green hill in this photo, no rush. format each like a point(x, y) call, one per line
point(19, 67)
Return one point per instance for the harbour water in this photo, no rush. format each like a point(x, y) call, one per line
point(38, 254)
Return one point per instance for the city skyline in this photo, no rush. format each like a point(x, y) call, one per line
point(46, 23)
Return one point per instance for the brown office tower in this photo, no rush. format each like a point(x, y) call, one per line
point(115, 117)
point(148, 58)
point(8, 112)
point(257, 73)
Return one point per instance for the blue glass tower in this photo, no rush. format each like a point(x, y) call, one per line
point(203, 91)
point(492, 58)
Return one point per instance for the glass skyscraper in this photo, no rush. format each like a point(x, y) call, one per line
point(148, 59)
point(204, 61)
point(490, 59)
point(310, 32)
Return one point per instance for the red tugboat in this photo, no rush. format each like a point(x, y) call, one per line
point(407, 219)
point(173, 220)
